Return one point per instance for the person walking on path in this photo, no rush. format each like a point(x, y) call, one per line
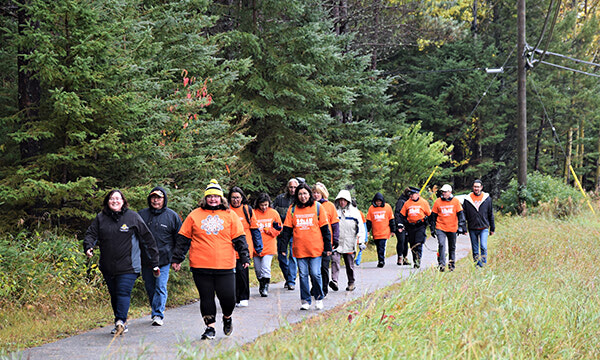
point(164, 224)
point(213, 234)
point(380, 220)
point(479, 213)
point(269, 224)
point(322, 195)
point(352, 232)
point(120, 234)
point(414, 217)
point(306, 221)
point(364, 220)
point(239, 204)
point(447, 218)
point(402, 242)
point(287, 262)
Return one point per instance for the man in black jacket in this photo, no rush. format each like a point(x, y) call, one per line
point(287, 264)
point(479, 213)
point(164, 224)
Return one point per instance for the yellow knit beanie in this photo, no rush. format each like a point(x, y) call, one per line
point(213, 188)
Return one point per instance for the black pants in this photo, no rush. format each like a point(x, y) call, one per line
point(402, 244)
point(242, 282)
point(381, 243)
point(210, 282)
point(416, 239)
point(325, 261)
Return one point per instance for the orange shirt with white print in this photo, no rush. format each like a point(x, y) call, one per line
point(446, 211)
point(380, 217)
point(267, 231)
point(247, 226)
point(331, 215)
point(211, 232)
point(415, 210)
point(306, 226)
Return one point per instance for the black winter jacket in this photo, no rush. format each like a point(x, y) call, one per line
point(397, 215)
point(164, 224)
point(120, 239)
point(482, 217)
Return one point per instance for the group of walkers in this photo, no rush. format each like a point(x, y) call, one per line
point(308, 233)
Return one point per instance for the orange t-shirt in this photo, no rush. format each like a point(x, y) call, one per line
point(477, 199)
point(331, 215)
point(253, 225)
point(446, 211)
point(380, 221)
point(308, 241)
point(269, 234)
point(415, 210)
point(211, 232)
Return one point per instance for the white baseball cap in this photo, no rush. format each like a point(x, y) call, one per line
point(446, 187)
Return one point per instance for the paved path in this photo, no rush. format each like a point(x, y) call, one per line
point(183, 326)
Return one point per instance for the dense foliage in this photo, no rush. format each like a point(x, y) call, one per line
point(369, 95)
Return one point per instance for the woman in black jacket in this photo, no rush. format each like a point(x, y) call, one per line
point(120, 234)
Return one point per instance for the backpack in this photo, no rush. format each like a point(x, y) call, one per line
point(247, 212)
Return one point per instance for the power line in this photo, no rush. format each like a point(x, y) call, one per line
point(483, 95)
point(569, 58)
point(570, 69)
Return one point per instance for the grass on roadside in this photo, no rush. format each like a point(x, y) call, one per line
point(538, 298)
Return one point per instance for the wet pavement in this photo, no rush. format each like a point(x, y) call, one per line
point(183, 325)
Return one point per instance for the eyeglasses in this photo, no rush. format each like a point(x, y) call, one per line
point(115, 198)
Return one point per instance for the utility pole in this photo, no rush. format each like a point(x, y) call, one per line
point(522, 105)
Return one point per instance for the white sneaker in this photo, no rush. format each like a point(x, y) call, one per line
point(319, 304)
point(305, 306)
point(157, 321)
point(243, 303)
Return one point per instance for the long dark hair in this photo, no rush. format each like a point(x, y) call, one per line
point(261, 198)
point(311, 199)
point(107, 209)
point(236, 189)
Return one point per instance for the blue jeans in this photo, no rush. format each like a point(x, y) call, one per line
point(288, 265)
point(310, 266)
point(119, 288)
point(156, 288)
point(479, 241)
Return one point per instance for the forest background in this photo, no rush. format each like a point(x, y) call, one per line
point(370, 95)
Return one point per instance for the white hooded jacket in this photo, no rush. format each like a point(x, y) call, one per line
point(351, 226)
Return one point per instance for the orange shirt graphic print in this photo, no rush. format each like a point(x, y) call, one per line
point(212, 224)
point(304, 221)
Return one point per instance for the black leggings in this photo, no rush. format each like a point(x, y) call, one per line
point(242, 282)
point(220, 283)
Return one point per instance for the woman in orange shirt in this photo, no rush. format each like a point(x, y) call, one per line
point(213, 234)
point(239, 204)
point(306, 221)
point(380, 220)
point(322, 196)
point(269, 224)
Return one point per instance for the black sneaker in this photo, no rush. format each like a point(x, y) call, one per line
point(209, 333)
point(227, 325)
point(380, 264)
point(333, 285)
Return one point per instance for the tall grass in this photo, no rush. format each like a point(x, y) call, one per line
point(537, 298)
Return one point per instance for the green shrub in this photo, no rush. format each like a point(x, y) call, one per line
point(543, 194)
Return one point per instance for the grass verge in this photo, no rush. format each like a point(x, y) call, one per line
point(538, 298)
